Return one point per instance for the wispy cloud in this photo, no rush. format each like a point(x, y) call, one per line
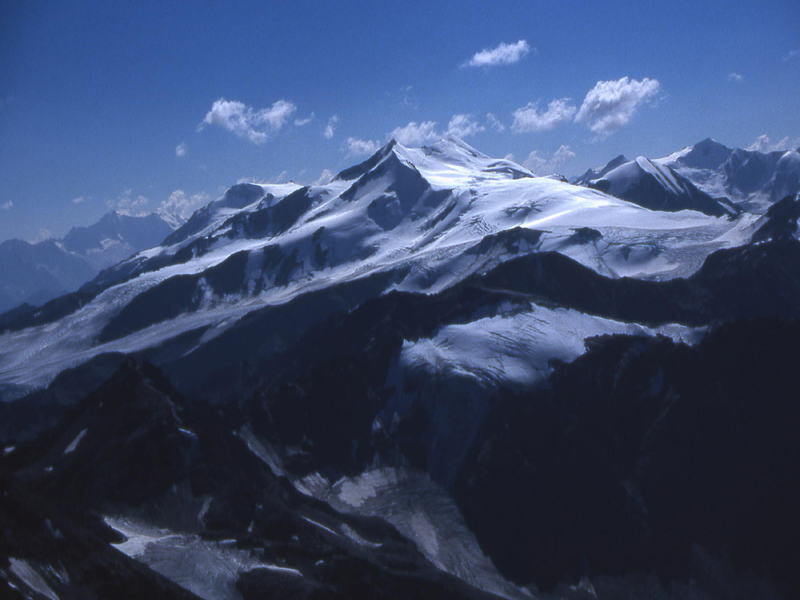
point(735, 77)
point(356, 147)
point(543, 165)
point(504, 54)
point(7, 205)
point(127, 204)
point(531, 118)
point(330, 128)
point(180, 150)
point(79, 200)
point(306, 121)
point(281, 177)
point(416, 134)
point(464, 126)
point(180, 206)
point(764, 144)
point(495, 123)
point(407, 97)
point(42, 235)
point(791, 55)
point(610, 105)
point(324, 178)
point(255, 125)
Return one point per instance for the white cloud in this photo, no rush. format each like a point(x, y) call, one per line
point(415, 134)
point(126, 204)
point(306, 121)
point(324, 178)
point(464, 126)
point(530, 118)
point(764, 144)
point(792, 55)
point(610, 105)
point(79, 200)
point(504, 54)
point(356, 147)
point(279, 178)
point(542, 165)
point(180, 150)
point(735, 77)
point(7, 205)
point(495, 123)
point(180, 206)
point(330, 128)
point(44, 234)
point(247, 122)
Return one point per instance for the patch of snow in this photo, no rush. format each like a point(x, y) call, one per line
point(352, 534)
point(424, 513)
point(518, 348)
point(355, 492)
point(323, 527)
point(279, 569)
point(74, 443)
point(26, 573)
point(206, 568)
point(312, 485)
point(425, 535)
point(262, 450)
point(203, 510)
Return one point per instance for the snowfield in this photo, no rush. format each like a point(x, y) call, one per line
point(432, 216)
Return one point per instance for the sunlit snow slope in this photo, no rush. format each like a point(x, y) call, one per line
point(426, 218)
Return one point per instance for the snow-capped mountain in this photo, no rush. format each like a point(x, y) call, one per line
point(36, 273)
point(415, 220)
point(115, 237)
point(658, 187)
point(437, 373)
point(595, 174)
point(749, 178)
point(708, 176)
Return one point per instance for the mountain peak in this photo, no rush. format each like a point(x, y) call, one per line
point(360, 169)
point(659, 187)
point(594, 174)
point(454, 142)
point(709, 143)
point(706, 154)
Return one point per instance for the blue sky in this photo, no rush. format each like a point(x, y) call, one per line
point(131, 104)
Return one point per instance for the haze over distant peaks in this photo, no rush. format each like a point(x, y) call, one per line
point(36, 273)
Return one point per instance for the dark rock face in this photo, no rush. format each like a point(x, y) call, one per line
point(781, 221)
point(44, 550)
point(136, 447)
point(641, 449)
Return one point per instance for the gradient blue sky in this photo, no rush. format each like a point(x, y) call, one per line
point(97, 96)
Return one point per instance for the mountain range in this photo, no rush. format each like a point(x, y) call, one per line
point(436, 376)
point(693, 178)
point(38, 272)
